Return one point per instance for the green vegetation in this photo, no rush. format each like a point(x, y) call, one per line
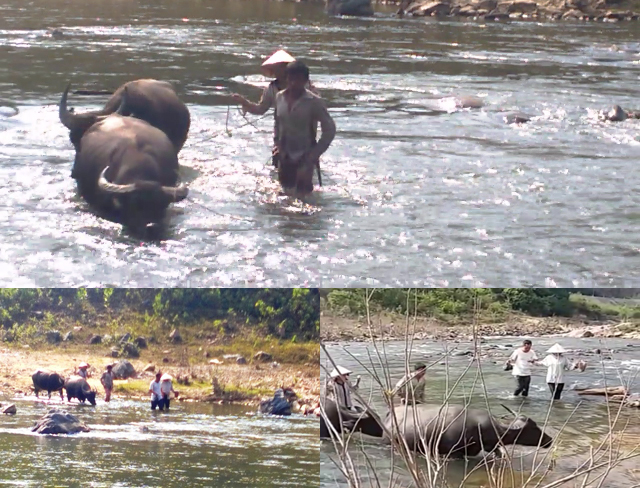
point(283, 322)
point(492, 304)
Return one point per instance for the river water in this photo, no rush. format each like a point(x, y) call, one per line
point(587, 425)
point(415, 191)
point(191, 445)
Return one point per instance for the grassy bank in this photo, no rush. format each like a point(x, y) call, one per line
point(59, 340)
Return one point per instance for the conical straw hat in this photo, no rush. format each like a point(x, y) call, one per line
point(339, 372)
point(279, 57)
point(557, 348)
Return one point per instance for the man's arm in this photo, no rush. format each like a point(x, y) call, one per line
point(260, 108)
point(328, 127)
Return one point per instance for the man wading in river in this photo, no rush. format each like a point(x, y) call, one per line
point(411, 387)
point(274, 67)
point(298, 112)
point(522, 359)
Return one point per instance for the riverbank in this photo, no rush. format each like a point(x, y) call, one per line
point(583, 10)
point(390, 326)
point(236, 383)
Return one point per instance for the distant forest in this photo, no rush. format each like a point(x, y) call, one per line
point(443, 302)
point(282, 312)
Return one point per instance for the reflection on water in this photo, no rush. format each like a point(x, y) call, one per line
point(416, 191)
point(585, 427)
point(192, 445)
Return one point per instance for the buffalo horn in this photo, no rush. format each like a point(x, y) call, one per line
point(176, 193)
point(113, 187)
point(123, 102)
point(66, 117)
point(509, 410)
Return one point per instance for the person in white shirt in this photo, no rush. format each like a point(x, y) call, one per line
point(522, 359)
point(156, 393)
point(166, 387)
point(411, 387)
point(557, 364)
point(83, 370)
point(341, 387)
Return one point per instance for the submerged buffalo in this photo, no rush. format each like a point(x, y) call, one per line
point(59, 422)
point(153, 101)
point(47, 381)
point(618, 114)
point(124, 166)
point(341, 418)
point(77, 387)
point(454, 430)
point(280, 404)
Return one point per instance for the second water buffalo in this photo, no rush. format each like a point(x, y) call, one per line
point(124, 166)
point(47, 381)
point(153, 101)
point(77, 387)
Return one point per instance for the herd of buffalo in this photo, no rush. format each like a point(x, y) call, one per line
point(75, 386)
point(126, 162)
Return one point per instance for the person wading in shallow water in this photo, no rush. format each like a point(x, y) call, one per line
point(340, 388)
point(107, 382)
point(156, 393)
point(557, 363)
point(411, 387)
point(274, 67)
point(298, 112)
point(522, 359)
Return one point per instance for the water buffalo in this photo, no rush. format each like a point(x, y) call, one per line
point(456, 431)
point(77, 387)
point(124, 166)
point(47, 381)
point(280, 404)
point(618, 114)
point(153, 101)
point(342, 418)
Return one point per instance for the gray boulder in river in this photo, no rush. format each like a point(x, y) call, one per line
point(358, 8)
point(59, 422)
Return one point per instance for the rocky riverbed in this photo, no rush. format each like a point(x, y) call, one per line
point(584, 10)
point(336, 328)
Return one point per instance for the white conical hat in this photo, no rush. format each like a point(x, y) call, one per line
point(557, 348)
point(279, 57)
point(340, 371)
point(166, 377)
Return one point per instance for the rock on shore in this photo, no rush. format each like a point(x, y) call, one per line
point(598, 10)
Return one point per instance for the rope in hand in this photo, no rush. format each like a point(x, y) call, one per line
point(229, 131)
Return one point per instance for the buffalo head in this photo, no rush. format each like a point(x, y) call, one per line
point(91, 397)
point(141, 201)
point(526, 432)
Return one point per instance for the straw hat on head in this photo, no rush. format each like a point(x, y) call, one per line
point(340, 371)
point(166, 377)
point(83, 366)
point(556, 349)
point(279, 57)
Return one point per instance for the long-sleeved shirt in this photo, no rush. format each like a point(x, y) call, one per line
point(556, 366)
point(341, 392)
point(297, 126)
point(411, 389)
point(268, 100)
